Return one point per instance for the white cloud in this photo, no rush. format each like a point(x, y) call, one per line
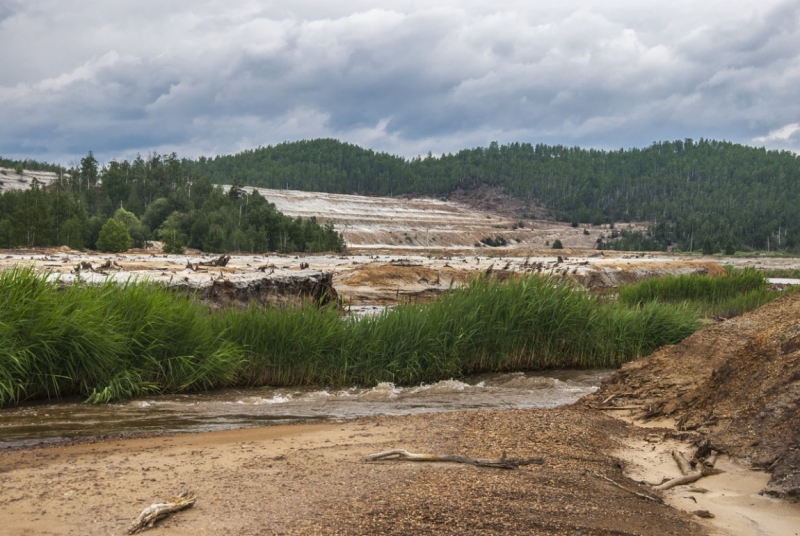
point(409, 76)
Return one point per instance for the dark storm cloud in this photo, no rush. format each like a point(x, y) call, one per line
point(406, 77)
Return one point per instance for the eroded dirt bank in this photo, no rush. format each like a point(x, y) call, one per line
point(736, 383)
point(311, 479)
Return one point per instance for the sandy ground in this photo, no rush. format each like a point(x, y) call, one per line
point(311, 479)
point(733, 497)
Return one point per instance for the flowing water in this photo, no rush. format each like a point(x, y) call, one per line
point(239, 408)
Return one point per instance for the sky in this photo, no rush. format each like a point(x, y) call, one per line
point(208, 77)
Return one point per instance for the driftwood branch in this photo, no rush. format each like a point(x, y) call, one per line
point(501, 463)
point(690, 474)
point(642, 495)
point(158, 511)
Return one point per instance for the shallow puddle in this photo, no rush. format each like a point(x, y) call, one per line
point(239, 408)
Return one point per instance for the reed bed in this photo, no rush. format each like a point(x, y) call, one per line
point(118, 341)
point(726, 296)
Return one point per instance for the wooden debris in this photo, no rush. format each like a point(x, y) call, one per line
point(690, 474)
point(641, 495)
point(221, 261)
point(83, 265)
point(711, 459)
point(501, 463)
point(158, 511)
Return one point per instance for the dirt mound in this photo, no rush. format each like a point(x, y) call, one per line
point(281, 290)
point(632, 272)
point(394, 275)
point(736, 383)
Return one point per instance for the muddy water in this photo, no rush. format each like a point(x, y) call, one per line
point(239, 408)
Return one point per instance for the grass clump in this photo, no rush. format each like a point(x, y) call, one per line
point(104, 343)
point(726, 296)
point(118, 341)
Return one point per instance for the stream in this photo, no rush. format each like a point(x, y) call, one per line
point(45, 422)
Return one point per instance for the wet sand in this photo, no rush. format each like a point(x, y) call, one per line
point(311, 479)
point(732, 496)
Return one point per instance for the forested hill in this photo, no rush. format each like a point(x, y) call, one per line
point(706, 192)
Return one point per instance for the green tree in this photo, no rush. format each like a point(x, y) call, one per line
point(19, 168)
point(171, 235)
point(557, 244)
point(114, 237)
point(115, 183)
point(156, 213)
point(135, 228)
point(75, 233)
point(31, 222)
point(215, 239)
point(89, 170)
point(708, 247)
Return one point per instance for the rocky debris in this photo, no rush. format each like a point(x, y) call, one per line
point(735, 384)
point(281, 289)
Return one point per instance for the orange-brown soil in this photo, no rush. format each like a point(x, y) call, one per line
point(736, 384)
point(312, 479)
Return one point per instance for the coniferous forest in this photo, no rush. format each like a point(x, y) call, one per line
point(697, 195)
point(705, 194)
point(125, 204)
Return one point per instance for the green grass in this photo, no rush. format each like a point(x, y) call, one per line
point(773, 272)
point(727, 296)
point(118, 341)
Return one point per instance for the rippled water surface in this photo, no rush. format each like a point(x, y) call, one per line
point(238, 408)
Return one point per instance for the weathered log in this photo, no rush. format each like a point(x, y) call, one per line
point(683, 464)
point(690, 474)
point(158, 511)
point(501, 463)
point(222, 260)
point(711, 459)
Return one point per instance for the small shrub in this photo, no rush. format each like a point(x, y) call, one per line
point(586, 231)
point(557, 244)
point(494, 242)
point(19, 168)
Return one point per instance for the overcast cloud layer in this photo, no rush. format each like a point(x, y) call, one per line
point(208, 77)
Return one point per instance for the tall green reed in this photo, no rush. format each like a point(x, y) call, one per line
point(122, 340)
point(724, 296)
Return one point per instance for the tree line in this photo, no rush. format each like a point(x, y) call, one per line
point(128, 203)
point(704, 194)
